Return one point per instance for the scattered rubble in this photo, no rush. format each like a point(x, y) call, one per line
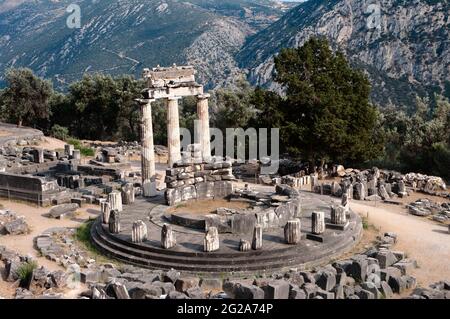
point(11, 224)
point(426, 207)
point(375, 184)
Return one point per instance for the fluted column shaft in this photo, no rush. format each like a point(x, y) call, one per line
point(204, 133)
point(147, 152)
point(173, 131)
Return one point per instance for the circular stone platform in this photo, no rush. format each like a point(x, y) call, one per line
point(189, 256)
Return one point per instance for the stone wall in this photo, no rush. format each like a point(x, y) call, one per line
point(270, 211)
point(28, 188)
point(198, 182)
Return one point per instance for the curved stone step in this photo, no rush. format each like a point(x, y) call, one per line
point(151, 257)
point(212, 258)
point(148, 263)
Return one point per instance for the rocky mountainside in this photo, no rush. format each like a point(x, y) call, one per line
point(125, 36)
point(403, 45)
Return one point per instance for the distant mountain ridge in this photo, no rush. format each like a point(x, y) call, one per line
point(408, 52)
point(127, 35)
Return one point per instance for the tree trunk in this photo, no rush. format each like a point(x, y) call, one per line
point(19, 124)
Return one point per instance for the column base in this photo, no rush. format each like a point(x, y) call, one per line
point(149, 189)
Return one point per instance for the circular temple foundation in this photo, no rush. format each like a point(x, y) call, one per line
point(189, 256)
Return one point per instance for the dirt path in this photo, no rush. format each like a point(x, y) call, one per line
point(421, 239)
point(50, 143)
point(24, 244)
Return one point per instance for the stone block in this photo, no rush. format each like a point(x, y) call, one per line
point(242, 224)
point(326, 280)
point(278, 289)
point(184, 283)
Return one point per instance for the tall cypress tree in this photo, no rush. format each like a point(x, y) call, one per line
point(327, 111)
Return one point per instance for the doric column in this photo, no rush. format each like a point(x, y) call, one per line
point(318, 223)
point(292, 233)
point(173, 131)
point(204, 134)
point(148, 151)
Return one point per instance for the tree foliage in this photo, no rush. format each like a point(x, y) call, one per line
point(327, 111)
point(26, 97)
point(420, 141)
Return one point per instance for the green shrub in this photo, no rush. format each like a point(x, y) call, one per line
point(365, 222)
point(25, 272)
point(85, 151)
point(59, 132)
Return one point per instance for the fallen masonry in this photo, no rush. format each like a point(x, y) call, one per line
point(352, 278)
point(12, 224)
point(426, 207)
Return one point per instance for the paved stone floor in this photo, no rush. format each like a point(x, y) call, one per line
point(191, 240)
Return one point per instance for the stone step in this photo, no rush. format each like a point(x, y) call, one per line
point(211, 259)
point(188, 266)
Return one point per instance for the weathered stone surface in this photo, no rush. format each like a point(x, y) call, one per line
point(364, 294)
point(106, 212)
point(114, 222)
point(211, 283)
point(386, 258)
point(16, 227)
point(245, 245)
point(139, 232)
point(166, 287)
point(176, 295)
point(338, 291)
point(257, 241)
point(242, 223)
point(183, 284)
point(292, 233)
point(326, 281)
point(369, 286)
point(277, 289)
point(386, 290)
point(297, 293)
point(310, 290)
point(171, 276)
point(358, 270)
point(115, 200)
point(128, 194)
point(120, 291)
point(345, 199)
point(405, 266)
point(144, 291)
point(324, 294)
point(205, 190)
point(168, 239)
point(195, 293)
point(336, 189)
point(338, 215)
point(318, 223)
point(397, 283)
point(63, 211)
point(359, 191)
point(243, 291)
point(211, 242)
point(383, 192)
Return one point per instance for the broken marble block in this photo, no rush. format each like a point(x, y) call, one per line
point(211, 241)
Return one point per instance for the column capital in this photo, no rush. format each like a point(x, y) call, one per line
point(145, 101)
point(174, 98)
point(204, 96)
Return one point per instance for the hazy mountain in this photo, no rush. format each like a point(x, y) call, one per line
point(124, 36)
point(405, 48)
